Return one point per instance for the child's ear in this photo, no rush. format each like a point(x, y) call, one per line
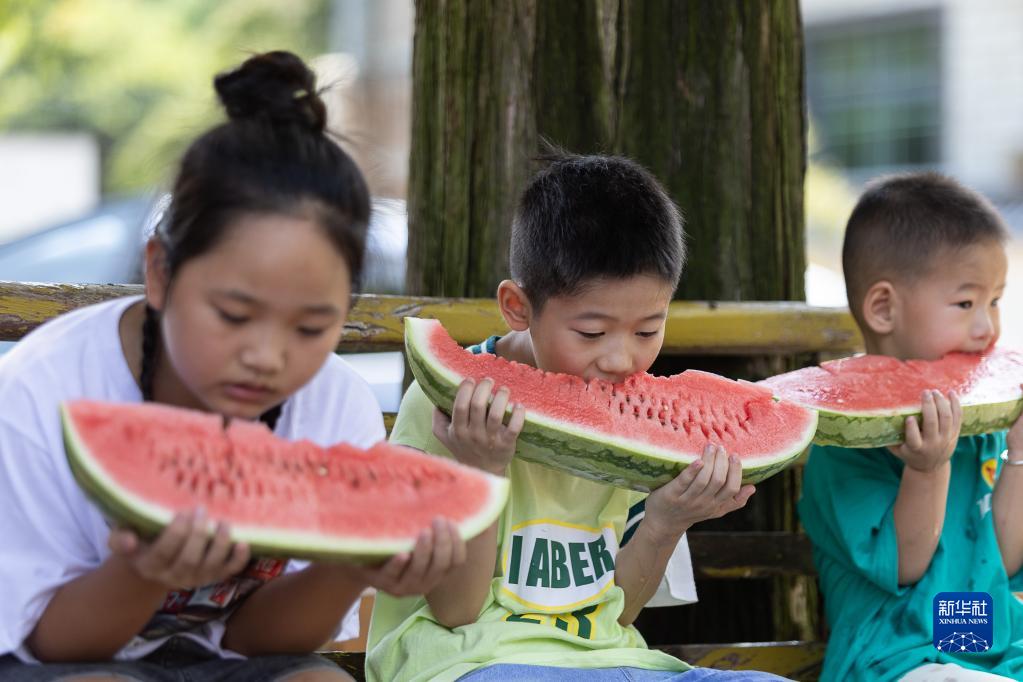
point(157, 278)
point(880, 307)
point(514, 305)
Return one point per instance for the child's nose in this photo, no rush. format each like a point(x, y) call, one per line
point(983, 324)
point(617, 362)
point(264, 355)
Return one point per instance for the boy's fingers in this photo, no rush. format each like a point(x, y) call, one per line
point(122, 541)
point(460, 406)
point(733, 481)
point(683, 481)
point(517, 421)
point(702, 479)
point(957, 411)
point(742, 497)
point(928, 417)
point(719, 476)
point(441, 423)
point(944, 411)
point(495, 418)
point(479, 403)
point(913, 438)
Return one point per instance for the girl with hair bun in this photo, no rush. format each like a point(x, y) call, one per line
point(249, 278)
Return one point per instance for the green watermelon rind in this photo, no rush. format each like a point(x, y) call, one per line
point(881, 428)
point(132, 511)
point(563, 446)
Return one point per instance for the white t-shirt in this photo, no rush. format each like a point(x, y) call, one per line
point(49, 531)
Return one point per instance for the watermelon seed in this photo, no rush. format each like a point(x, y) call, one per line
point(322, 470)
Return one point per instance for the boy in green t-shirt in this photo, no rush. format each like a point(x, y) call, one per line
point(550, 591)
point(892, 528)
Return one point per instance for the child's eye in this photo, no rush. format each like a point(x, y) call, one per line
point(994, 303)
point(965, 305)
point(310, 331)
point(589, 335)
point(646, 335)
point(232, 319)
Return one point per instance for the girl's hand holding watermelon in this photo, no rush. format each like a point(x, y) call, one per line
point(708, 488)
point(476, 433)
point(184, 555)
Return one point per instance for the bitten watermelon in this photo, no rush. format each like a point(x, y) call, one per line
point(143, 462)
point(864, 400)
point(637, 434)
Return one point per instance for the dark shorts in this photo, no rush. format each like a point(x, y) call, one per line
point(179, 660)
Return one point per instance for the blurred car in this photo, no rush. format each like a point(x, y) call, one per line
point(105, 247)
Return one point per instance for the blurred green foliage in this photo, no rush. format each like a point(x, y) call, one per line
point(137, 73)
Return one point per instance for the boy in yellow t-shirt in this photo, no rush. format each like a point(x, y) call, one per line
point(550, 591)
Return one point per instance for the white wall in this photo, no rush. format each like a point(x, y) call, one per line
point(982, 79)
point(46, 179)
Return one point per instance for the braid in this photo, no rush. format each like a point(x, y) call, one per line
point(150, 339)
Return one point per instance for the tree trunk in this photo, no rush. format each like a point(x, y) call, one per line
point(708, 94)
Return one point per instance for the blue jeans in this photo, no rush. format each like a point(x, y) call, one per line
point(509, 672)
point(179, 660)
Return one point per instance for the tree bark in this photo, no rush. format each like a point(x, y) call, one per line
point(709, 95)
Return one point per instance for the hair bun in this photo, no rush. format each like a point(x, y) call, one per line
point(276, 85)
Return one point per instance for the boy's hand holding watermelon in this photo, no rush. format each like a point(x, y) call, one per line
point(931, 439)
point(708, 488)
point(476, 433)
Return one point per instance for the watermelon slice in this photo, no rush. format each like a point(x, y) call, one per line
point(143, 462)
point(864, 400)
point(637, 434)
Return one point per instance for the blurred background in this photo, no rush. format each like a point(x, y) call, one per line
point(99, 97)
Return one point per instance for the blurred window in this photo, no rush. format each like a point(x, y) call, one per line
point(874, 89)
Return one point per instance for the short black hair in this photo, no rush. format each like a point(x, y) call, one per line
point(587, 217)
point(902, 222)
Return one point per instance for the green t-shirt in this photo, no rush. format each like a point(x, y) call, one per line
point(553, 600)
point(879, 629)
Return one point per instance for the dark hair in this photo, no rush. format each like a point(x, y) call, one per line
point(901, 222)
point(273, 155)
point(585, 217)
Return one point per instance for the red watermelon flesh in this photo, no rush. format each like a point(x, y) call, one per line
point(144, 462)
point(634, 433)
point(865, 399)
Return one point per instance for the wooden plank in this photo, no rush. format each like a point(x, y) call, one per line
point(750, 554)
point(375, 321)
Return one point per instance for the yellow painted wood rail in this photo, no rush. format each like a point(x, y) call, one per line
point(375, 322)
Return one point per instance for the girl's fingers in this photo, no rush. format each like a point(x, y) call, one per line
point(123, 541)
point(169, 543)
point(239, 557)
point(190, 558)
point(459, 551)
point(421, 555)
point(217, 553)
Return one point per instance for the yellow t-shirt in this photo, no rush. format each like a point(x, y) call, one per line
point(553, 600)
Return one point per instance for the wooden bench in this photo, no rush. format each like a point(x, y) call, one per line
point(693, 328)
